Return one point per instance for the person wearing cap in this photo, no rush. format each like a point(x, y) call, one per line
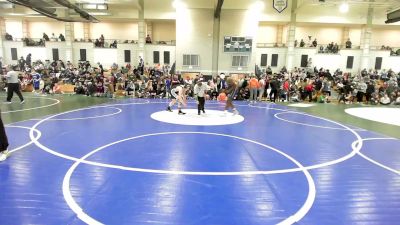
point(178, 94)
point(200, 90)
point(13, 85)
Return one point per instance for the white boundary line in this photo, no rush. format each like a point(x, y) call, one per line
point(39, 107)
point(27, 144)
point(356, 149)
point(89, 220)
point(90, 117)
point(373, 161)
point(309, 125)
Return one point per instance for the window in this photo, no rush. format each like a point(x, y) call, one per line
point(82, 54)
point(55, 54)
point(274, 60)
point(350, 60)
point(240, 60)
point(14, 55)
point(264, 58)
point(166, 58)
point(127, 54)
point(156, 57)
point(191, 60)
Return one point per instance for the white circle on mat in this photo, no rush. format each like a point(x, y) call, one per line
point(377, 114)
point(210, 118)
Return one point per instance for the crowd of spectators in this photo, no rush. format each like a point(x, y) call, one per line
point(301, 84)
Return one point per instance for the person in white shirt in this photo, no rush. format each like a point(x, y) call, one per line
point(13, 85)
point(200, 90)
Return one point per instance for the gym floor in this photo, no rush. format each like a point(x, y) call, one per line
point(77, 160)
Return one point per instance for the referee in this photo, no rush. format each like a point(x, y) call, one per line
point(13, 85)
point(200, 90)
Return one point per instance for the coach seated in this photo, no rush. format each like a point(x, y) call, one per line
point(9, 37)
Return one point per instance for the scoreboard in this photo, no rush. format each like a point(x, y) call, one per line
point(238, 44)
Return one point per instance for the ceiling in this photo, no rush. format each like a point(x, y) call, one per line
point(127, 10)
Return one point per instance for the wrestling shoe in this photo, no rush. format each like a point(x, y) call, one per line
point(169, 109)
point(204, 111)
point(181, 113)
point(3, 155)
point(22, 102)
point(235, 112)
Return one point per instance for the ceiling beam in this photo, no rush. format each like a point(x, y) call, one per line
point(218, 9)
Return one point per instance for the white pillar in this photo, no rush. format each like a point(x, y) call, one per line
point(345, 36)
point(141, 31)
point(279, 34)
point(86, 31)
point(365, 46)
point(25, 29)
point(69, 39)
point(150, 29)
point(291, 36)
point(2, 38)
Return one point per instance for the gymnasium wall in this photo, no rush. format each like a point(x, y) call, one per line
point(387, 37)
point(324, 35)
point(14, 27)
point(242, 23)
point(194, 35)
point(120, 31)
point(164, 31)
point(36, 29)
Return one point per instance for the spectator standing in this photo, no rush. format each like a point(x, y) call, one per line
point(3, 142)
point(148, 39)
point(253, 86)
point(45, 37)
point(13, 86)
point(28, 60)
point(348, 43)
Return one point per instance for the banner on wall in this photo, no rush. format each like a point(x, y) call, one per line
point(280, 5)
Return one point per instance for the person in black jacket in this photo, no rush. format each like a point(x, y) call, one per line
point(370, 91)
point(3, 142)
point(274, 84)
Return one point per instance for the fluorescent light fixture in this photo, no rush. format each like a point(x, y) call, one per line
point(100, 13)
point(344, 7)
point(16, 14)
point(178, 4)
point(257, 6)
point(95, 6)
point(94, 1)
point(102, 6)
point(89, 6)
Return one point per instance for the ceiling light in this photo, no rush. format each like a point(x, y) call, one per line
point(100, 13)
point(258, 5)
point(178, 4)
point(344, 7)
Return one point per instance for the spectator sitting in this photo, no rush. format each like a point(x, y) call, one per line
point(9, 37)
point(53, 37)
point(348, 43)
point(148, 39)
point(113, 45)
point(321, 49)
point(97, 43)
point(385, 100)
point(302, 43)
point(295, 43)
point(314, 43)
point(45, 37)
point(61, 37)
